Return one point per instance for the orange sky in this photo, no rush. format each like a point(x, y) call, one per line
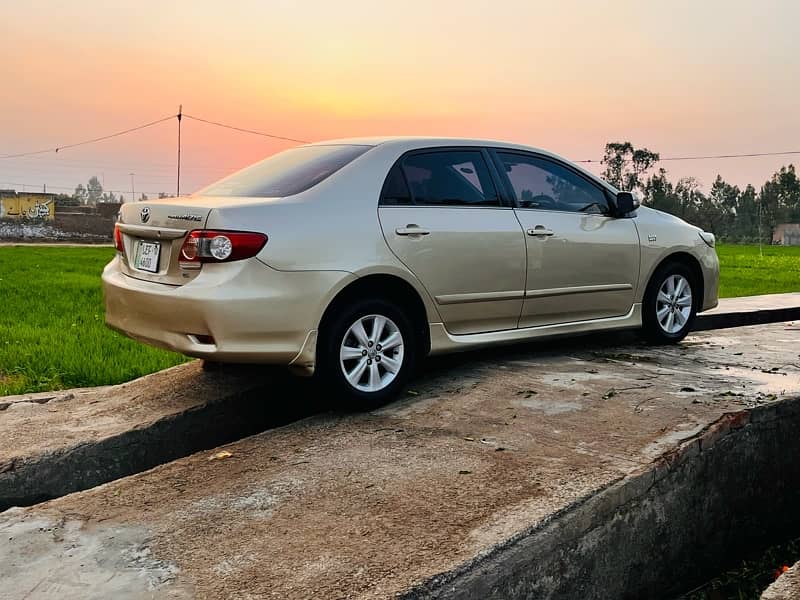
point(678, 78)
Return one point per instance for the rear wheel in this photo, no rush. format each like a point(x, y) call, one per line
point(670, 304)
point(367, 353)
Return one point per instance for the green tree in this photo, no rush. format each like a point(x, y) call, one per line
point(745, 228)
point(94, 190)
point(80, 194)
point(722, 203)
point(627, 166)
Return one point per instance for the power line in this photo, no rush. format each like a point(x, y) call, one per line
point(64, 163)
point(733, 155)
point(92, 141)
point(712, 156)
point(243, 130)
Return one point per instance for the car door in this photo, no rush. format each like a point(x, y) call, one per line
point(583, 263)
point(442, 216)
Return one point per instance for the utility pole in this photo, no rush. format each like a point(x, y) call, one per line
point(180, 114)
point(760, 249)
point(44, 188)
point(133, 193)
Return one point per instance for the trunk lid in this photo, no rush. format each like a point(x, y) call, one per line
point(158, 229)
point(153, 233)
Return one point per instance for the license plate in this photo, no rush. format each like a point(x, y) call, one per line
point(146, 258)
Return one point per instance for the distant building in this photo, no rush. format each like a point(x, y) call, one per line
point(787, 234)
point(27, 205)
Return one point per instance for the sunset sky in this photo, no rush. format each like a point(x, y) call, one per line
point(679, 77)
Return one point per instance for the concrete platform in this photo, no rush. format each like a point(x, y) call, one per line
point(786, 587)
point(750, 310)
point(414, 499)
point(55, 443)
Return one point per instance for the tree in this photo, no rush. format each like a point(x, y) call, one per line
point(745, 228)
point(659, 193)
point(722, 203)
point(728, 211)
point(143, 198)
point(94, 190)
point(80, 194)
point(627, 166)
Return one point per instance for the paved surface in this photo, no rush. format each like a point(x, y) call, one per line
point(35, 424)
point(366, 506)
point(61, 442)
point(786, 587)
point(750, 310)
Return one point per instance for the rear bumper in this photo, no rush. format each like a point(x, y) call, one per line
point(253, 312)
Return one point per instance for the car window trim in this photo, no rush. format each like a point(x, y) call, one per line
point(495, 154)
point(502, 200)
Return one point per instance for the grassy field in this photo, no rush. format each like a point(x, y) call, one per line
point(52, 334)
point(744, 272)
point(51, 314)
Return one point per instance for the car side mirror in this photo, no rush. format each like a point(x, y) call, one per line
point(626, 203)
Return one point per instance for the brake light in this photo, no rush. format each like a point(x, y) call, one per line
point(118, 239)
point(209, 245)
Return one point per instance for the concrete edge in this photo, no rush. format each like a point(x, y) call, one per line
point(536, 561)
point(743, 318)
point(785, 587)
point(238, 413)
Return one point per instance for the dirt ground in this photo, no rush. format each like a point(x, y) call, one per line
point(365, 506)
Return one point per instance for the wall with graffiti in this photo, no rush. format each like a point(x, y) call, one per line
point(27, 205)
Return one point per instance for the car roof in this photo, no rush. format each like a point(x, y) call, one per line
point(403, 144)
point(406, 143)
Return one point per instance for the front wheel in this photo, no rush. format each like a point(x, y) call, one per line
point(670, 304)
point(367, 353)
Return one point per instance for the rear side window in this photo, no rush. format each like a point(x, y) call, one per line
point(287, 173)
point(447, 178)
point(547, 185)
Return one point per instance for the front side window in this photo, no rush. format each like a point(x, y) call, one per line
point(447, 178)
point(546, 185)
point(286, 173)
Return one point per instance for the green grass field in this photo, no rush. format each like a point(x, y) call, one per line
point(52, 334)
point(51, 314)
point(744, 272)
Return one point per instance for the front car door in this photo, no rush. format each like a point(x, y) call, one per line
point(443, 217)
point(583, 263)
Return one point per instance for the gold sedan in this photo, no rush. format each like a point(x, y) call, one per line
point(356, 258)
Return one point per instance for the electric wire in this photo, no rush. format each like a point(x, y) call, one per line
point(57, 149)
point(92, 141)
point(242, 129)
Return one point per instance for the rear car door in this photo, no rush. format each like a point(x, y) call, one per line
point(583, 263)
point(442, 216)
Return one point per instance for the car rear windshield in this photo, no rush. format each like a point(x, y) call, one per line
point(286, 173)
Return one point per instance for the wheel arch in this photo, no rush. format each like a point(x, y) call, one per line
point(389, 287)
point(689, 261)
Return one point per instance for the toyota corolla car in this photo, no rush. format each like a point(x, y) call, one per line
point(355, 258)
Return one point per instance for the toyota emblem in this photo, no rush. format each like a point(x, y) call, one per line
point(145, 214)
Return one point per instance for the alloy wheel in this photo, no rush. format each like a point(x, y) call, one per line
point(674, 303)
point(371, 353)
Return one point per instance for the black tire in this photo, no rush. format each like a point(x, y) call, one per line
point(330, 370)
point(652, 329)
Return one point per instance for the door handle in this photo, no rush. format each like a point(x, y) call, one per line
point(540, 230)
point(411, 230)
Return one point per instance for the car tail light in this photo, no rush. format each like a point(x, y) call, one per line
point(118, 239)
point(209, 245)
